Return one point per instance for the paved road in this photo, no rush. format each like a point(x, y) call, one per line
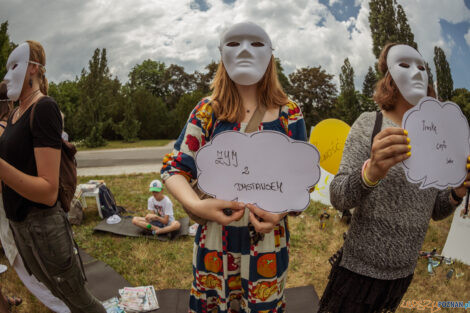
point(122, 157)
point(119, 170)
point(121, 161)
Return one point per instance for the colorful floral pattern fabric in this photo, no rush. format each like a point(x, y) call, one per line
point(231, 274)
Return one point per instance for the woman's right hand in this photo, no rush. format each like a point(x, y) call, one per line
point(390, 147)
point(212, 209)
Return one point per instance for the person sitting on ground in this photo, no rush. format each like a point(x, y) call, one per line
point(161, 220)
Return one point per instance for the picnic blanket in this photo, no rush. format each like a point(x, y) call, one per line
point(104, 283)
point(126, 228)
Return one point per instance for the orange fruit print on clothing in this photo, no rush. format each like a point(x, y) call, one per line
point(266, 265)
point(213, 262)
point(235, 283)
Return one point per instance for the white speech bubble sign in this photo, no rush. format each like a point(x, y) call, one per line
point(266, 168)
point(440, 140)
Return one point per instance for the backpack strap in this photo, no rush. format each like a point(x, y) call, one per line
point(377, 126)
point(31, 116)
point(255, 120)
point(12, 113)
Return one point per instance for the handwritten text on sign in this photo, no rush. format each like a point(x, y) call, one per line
point(440, 141)
point(266, 168)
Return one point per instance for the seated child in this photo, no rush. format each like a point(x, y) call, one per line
point(161, 220)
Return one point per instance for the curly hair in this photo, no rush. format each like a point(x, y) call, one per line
point(38, 55)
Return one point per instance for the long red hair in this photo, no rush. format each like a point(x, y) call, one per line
point(227, 103)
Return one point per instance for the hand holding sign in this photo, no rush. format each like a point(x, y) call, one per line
point(266, 168)
point(390, 147)
point(440, 137)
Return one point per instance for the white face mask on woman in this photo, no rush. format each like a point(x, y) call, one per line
point(246, 51)
point(17, 65)
point(408, 71)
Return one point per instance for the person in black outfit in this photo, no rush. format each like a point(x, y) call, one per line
point(29, 169)
point(5, 108)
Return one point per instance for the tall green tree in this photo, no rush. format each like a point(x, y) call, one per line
point(313, 89)
point(178, 83)
point(370, 80)
point(461, 96)
point(151, 76)
point(203, 79)
point(445, 84)
point(283, 80)
point(185, 105)
point(347, 104)
point(168, 83)
point(129, 127)
point(6, 47)
point(430, 77)
point(346, 77)
point(388, 23)
point(99, 101)
point(152, 113)
point(367, 104)
point(404, 33)
point(67, 96)
point(383, 24)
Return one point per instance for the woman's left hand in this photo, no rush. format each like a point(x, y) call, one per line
point(263, 221)
point(461, 191)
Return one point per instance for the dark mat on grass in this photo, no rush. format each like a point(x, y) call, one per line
point(102, 280)
point(104, 283)
point(126, 228)
point(298, 300)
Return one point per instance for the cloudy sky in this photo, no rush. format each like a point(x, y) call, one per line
point(186, 32)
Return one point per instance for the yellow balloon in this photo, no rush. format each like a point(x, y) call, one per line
point(329, 137)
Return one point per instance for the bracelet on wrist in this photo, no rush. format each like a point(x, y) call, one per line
point(455, 197)
point(365, 179)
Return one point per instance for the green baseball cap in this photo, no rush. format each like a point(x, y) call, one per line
point(156, 185)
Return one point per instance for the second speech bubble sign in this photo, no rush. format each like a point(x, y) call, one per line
point(440, 140)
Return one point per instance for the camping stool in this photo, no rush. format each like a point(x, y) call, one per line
point(94, 194)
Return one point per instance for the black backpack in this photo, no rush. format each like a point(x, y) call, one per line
point(108, 204)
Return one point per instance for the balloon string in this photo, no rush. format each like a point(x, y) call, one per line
point(465, 212)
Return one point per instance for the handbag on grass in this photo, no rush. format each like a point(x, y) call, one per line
point(253, 125)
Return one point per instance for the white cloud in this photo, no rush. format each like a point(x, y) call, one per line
point(467, 37)
point(304, 32)
point(424, 19)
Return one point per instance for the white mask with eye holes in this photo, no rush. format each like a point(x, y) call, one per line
point(246, 51)
point(408, 71)
point(17, 65)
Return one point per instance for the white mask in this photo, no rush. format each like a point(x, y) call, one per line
point(17, 65)
point(246, 51)
point(408, 71)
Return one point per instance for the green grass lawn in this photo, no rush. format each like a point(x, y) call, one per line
point(117, 144)
point(168, 264)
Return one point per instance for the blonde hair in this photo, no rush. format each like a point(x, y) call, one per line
point(38, 55)
point(226, 100)
point(386, 91)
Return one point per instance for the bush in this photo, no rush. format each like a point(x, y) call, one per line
point(128, 129)
point(95, 139)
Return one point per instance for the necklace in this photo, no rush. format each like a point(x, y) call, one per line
point(22, 101)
